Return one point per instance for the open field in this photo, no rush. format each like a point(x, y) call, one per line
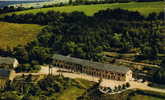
point(74, 92)
point(12, 34)
point(143, 7)
point(139, 97)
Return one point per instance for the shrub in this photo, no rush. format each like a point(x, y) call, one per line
point(127, 85)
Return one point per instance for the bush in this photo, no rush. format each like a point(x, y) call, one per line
point(123, 86)
point(9, 96)
point(36, 67)
point(127, 85)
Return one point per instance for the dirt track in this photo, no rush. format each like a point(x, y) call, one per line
point(105, 82)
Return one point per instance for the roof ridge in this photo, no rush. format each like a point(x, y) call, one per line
point(97, 65)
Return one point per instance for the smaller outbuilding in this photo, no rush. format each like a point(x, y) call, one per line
point(6, 75)
point(7, 66)
point(8, 62)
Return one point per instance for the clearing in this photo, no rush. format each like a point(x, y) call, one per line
point(138, 97)
point(12, 34)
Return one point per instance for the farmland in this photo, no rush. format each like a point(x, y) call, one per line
point(12, 34)
point(143, 7)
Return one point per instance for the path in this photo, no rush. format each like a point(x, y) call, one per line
point(143, 86)
point(104, 83)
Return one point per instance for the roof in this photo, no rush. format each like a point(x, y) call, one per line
point(6, 60)
point(97, 65)
point(4, 73)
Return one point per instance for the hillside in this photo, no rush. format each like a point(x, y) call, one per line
point(143, 7)
point(12, 34)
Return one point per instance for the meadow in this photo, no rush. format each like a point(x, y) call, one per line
point(74, 92)
point(138, 97)
point(12, 34)
point(143, 7)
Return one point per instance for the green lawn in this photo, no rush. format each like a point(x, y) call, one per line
point(143, 97)
point(12, 34)
point(73, 92)
point(143, 7)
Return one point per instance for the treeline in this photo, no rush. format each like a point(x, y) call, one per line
point(51, 16)
point(7, 9)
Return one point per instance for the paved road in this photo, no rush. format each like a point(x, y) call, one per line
point(105, 83)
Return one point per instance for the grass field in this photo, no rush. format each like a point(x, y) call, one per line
point(12, 34)
point(73, 92)
point(143, 7)
point(143, 97)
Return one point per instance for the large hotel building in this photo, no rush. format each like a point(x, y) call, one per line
point(107, 71)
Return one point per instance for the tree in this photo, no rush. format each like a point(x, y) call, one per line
point(152, 16)
point(127, 85)
point(119, 87)
point(70, 2)
point(9, 96)
point(35, 90)
point(31, 98)
point(70, 47)
point(159, 76)
point(41, 54)
point(163, 64)
point(148, 51)
point(100, 80)
point(117, 40)
point(50, 84)
point(161, 16)
point(123, 86)
point(115, 89)
point(21, 54)
point(109, 90)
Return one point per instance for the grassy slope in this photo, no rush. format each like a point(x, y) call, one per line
point(139, 97)
point(12, 34)
point(144, 7)
point(73, 92)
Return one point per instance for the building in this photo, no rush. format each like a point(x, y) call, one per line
point(107, 71)
point(6, 75)
point(7, 72)
point(8, 62)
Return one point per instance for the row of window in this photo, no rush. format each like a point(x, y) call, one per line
point(91, 71)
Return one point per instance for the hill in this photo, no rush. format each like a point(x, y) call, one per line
point(143, 7)
point(12, 34)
